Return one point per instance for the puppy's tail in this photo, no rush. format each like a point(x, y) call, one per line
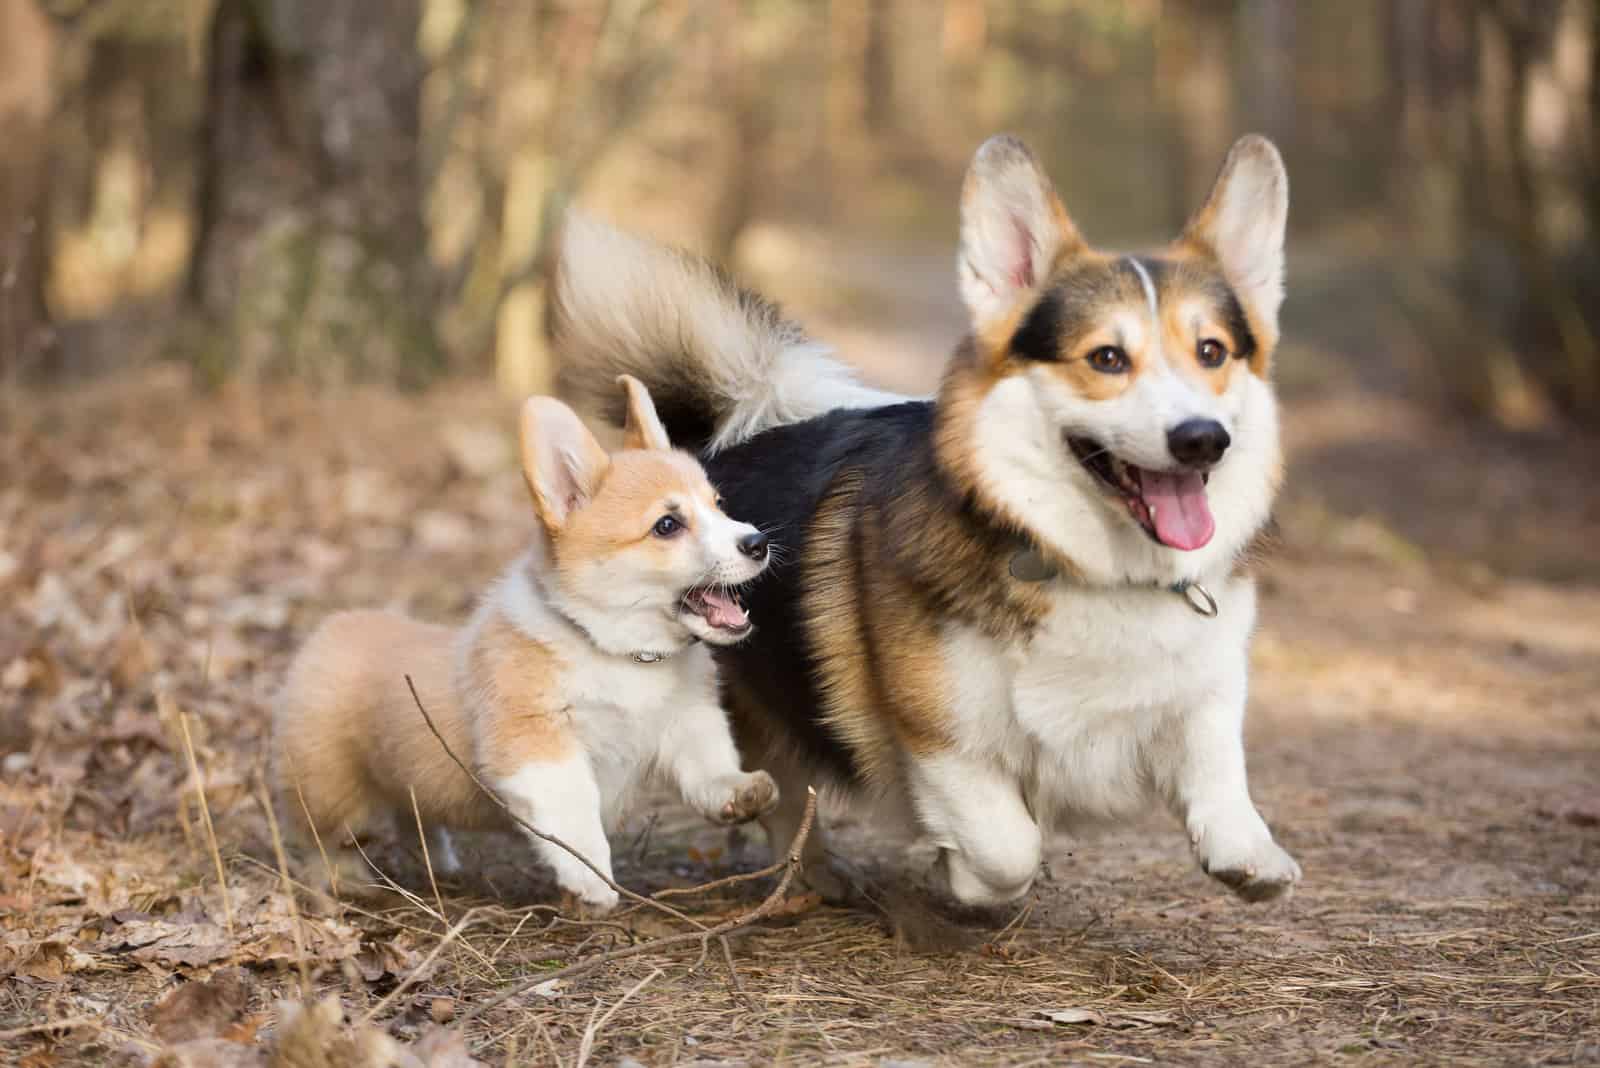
point(721, 363)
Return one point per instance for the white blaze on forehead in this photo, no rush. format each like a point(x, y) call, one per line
point(1149, 293)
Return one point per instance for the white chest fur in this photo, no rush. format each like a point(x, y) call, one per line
point(1081, 712)
point(621, 709)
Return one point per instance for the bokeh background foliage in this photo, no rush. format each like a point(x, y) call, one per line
point(340, 189)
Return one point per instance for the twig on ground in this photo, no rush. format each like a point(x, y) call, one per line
point(768, 905)
point(733, 972)
point(717, 884)
point(531, 829)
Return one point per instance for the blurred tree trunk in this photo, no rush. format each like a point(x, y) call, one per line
point(1271, 43)
point(748, 117)
point(1194, 68)
point(27, 50)
point(310, 250)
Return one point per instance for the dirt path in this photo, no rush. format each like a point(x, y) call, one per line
point(1424, 736)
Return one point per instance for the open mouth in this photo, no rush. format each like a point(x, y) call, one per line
point(719, 606)
point(1170, 506)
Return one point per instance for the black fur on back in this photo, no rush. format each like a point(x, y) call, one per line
point(775, 481)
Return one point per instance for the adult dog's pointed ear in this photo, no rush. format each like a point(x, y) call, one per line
point(642, 429)
point(1013, 230)
point(1242, 222)
point(561, 460)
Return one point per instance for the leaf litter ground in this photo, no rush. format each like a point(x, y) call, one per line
point(1424, 737)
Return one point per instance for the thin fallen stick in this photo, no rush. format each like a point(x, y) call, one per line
point(768, 906)
point(733, 972)
point(536, 832)
point(718, 884)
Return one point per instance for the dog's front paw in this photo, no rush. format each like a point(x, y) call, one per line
point(1256, 870)
point(747, 797)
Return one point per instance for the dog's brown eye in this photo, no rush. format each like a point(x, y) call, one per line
point(666, 527)
point(1212, 353)
point(1109, 359)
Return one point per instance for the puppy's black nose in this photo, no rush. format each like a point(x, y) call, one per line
point(1198, 442)
point(754, 546)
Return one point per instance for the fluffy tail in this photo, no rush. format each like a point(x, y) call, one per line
point(721, 363)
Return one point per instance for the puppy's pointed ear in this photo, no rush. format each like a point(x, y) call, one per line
point(643, 429)
point(1242, 222)
point(1013, 229)
point(561, 460)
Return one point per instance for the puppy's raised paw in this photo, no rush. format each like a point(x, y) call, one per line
point(749, 796)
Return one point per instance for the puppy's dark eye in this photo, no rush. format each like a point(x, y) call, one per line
point(1212, 352)
point(666, 527)
point(1109, 359)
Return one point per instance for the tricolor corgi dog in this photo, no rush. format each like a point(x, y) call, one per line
point(584, 671)
point(1018, 606)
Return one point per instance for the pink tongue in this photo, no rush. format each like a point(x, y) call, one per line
point(1177, 502)
point(723, 611)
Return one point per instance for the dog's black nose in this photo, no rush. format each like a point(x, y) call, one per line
point(1198, 442)
point(754, 546)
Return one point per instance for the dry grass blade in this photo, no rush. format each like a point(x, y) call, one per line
point(586, 1045)
point(169, 708)
point(427, 962)
point(427, 857)
point(288, 891)
point(65, 1024)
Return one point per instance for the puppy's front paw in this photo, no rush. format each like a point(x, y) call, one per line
point(1257, 869)
point(748, 796)
point(590, 901)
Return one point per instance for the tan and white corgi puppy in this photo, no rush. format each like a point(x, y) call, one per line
point(584, 671)
point(1017, 606)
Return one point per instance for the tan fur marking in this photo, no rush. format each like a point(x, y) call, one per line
point(632, 497)
point(955, 435)
point(1188, 250)
point(349, 734)
point(522, 718)
point(1094, 385)
point(831, 613)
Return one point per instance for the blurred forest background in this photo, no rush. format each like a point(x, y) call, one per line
point(343, 190)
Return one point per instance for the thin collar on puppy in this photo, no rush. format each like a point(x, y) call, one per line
point(1030, 565)
point(638, 656)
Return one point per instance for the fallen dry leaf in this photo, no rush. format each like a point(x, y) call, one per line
point(378, 959)
point(1121, 1019)
point(201, 1009)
